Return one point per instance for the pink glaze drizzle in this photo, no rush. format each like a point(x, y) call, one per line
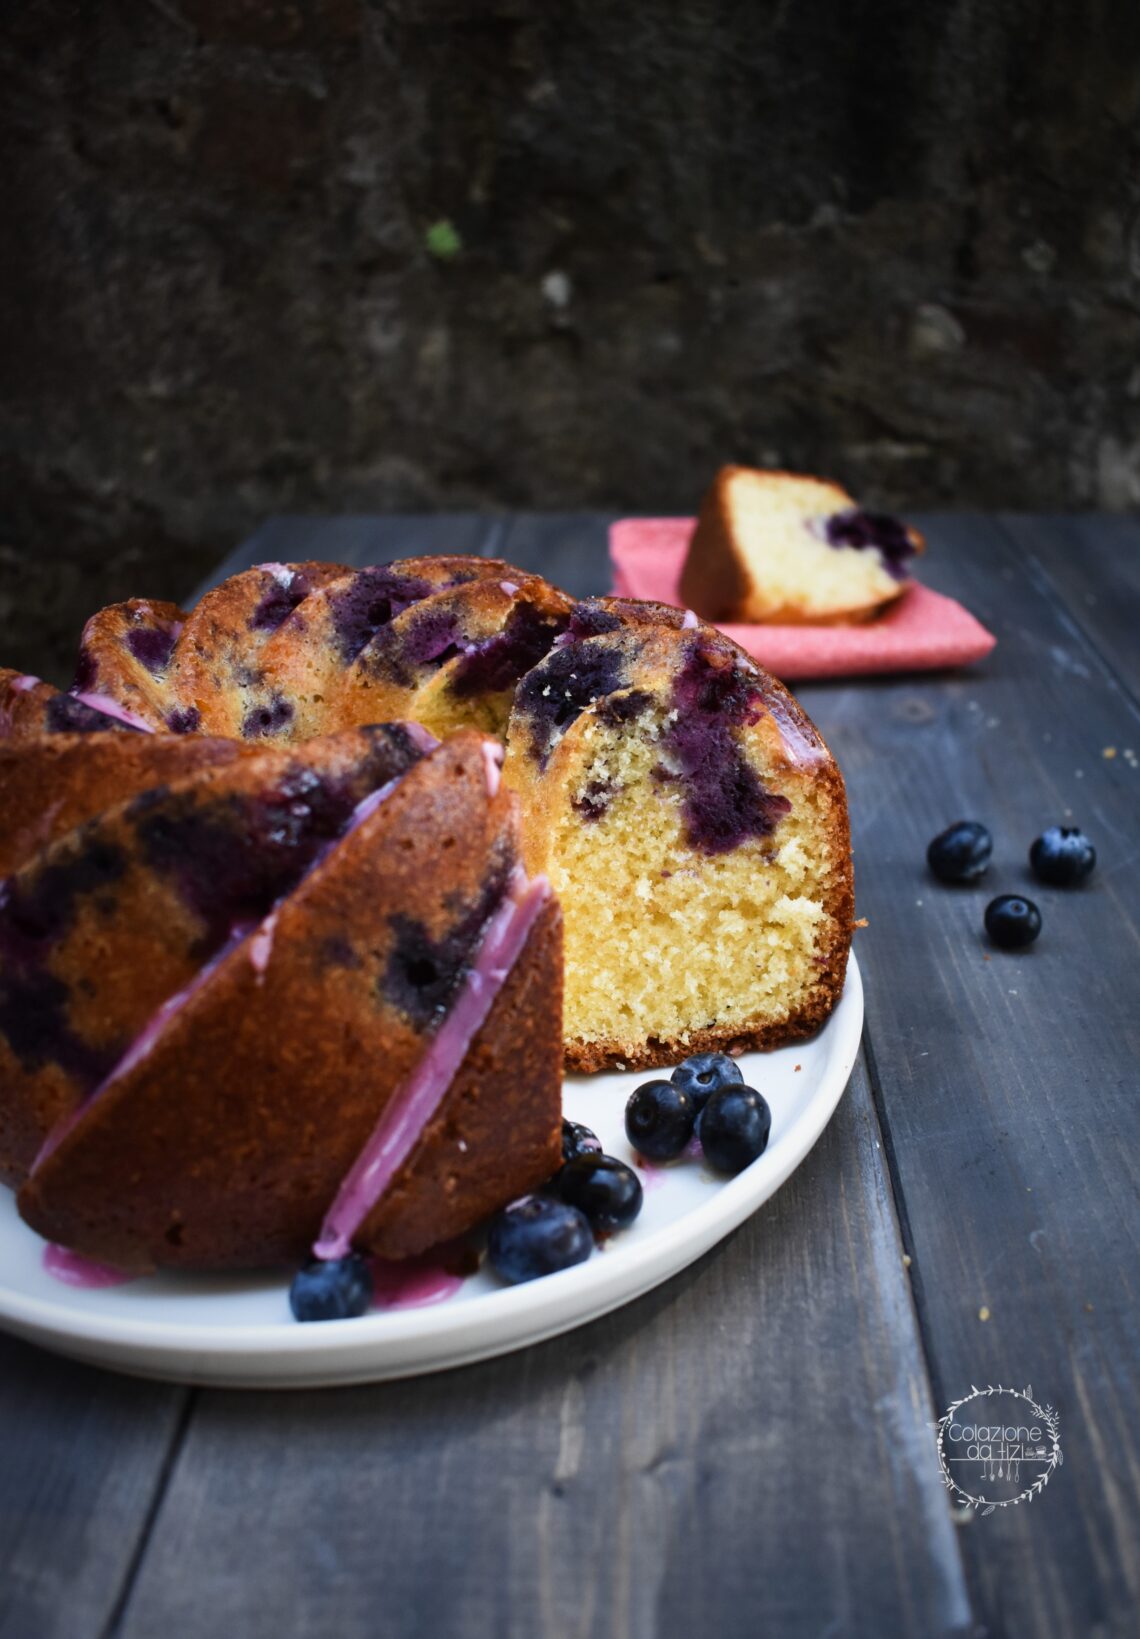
point(112, 708)
point(690, 622)
point(415, 1102)
point(23, 683)
point(492, 763)
point(411, 1284)
point(260, 936)
point(509, 587)
point(261, 944)
point(652, 1176)
point(73, 1270)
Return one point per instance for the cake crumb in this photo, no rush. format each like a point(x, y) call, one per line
point(1109, 752)
point(906, 1260)
point(983, 1312)
point(799, 1067)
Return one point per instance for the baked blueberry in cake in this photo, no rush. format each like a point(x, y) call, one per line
point(774, 547)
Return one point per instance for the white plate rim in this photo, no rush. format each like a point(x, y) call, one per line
point(398, 1343)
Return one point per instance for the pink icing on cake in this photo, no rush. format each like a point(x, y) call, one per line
point(416, 1101)
point(112, 708)
point(493, 764)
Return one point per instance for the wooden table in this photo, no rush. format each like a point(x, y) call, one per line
point(749, 1449)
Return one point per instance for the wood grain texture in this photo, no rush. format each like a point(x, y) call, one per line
point(1006, 1083)
point(746, 1449)
point(83, 1457)
point(1092, 566)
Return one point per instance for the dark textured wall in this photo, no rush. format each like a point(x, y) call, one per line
point(347, 255)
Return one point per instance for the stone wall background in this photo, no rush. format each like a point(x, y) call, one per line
point(413, 254)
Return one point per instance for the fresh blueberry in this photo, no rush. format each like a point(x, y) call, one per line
point(1062, 856)
point(703, 1074)
point(659, 1119)
point(338, 1289)
point(962, 853)
point(537, 1236)
point(1012, 921)
point(734, 1128)
point(603, 1188)
point(579, 1140)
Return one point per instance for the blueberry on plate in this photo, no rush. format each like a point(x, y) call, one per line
point(961, 853)
point(603, 1188)
point(703, 1074)
point(1012, 922)
point(734, 1128)
point(1062, 856)
point(332, 1289)
point(579, 1140)
point(537, 1236)
point(659, 1119)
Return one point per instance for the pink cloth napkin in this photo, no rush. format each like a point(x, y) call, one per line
point(922, 631)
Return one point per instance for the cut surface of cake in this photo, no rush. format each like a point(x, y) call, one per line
point(695, 829)
point(772, 547)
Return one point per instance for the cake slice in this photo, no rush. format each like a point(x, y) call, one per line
point(771, 547)
point(694, 826)
point(416, 1088)
point(108, 922)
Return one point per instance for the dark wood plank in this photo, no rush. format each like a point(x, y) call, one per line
point(1093, 565)
point(745, 1450)
point(1006, 1083)
point(570, 549)
point(83, 1458)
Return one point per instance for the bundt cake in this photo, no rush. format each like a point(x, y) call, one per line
point(771, 547)
point(299, 983)
point(691, 818)
point(322, 1014)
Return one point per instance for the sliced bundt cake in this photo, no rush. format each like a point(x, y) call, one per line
point(382, 1050)
point(691, 818)
point(774, 547)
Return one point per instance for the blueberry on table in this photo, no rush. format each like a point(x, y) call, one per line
point(659, 1120)
point(961, 853)
point(604, 1190)
point(332, 1289)
point(579, 1140)
point(1062, 856)
point(1012, 922)
point(734, 1128)
point(703, 1074)
point(537, 1236)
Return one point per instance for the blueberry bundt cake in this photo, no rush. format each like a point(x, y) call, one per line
point(771, 547)
point(272, 994)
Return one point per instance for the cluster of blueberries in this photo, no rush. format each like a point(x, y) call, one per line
point(1062, 857)
point(592, 1195)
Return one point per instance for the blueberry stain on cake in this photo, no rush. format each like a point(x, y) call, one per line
point(273, 717)
point(368, 602)
point(497, 663)
point(288, 590)
point(860, 530)
point(722, 799)
point(556, 693)
point(152, 647)
point(423, 973)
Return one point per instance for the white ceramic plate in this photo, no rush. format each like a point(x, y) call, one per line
point(238, 1331)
